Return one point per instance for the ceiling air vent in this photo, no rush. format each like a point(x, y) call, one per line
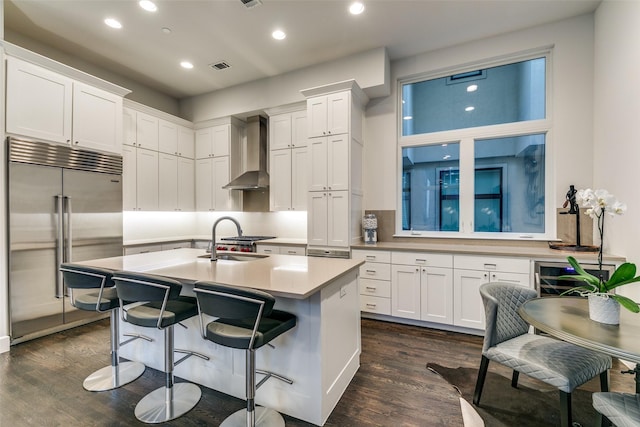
point(220, 65)
point(251, 3)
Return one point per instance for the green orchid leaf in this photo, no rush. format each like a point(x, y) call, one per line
point(627, 303)
point(623, 273)
point(590, 280)
point(609, 286)
point(587, 277)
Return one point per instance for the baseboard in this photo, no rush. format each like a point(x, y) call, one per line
point(4, 344)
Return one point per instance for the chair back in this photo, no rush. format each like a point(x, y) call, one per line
point(501, 303)
point(83, 277)
point(140, 287)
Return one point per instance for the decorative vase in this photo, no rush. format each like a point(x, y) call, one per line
point(604, 309)
point(370, 226)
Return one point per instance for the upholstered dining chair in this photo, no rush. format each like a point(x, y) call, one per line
point(507, 341)
point(622, 409)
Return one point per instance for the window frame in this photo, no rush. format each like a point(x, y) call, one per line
point(466, 137)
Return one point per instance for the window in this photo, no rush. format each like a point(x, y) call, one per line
point(473, 153)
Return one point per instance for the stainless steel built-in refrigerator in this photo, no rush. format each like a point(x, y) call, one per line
point(65, 205)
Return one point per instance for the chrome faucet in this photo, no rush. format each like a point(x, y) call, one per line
point(213, 234)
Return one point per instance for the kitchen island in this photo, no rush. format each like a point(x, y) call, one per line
point(321, 354)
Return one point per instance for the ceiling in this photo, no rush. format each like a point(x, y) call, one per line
point(208, 31)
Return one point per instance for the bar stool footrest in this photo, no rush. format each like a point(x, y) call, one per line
point(154, 408)
point(111, 377)
point(264, 417)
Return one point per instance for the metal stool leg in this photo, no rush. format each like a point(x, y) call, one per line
point(117, 374)
point(171, 401)
point(252, 416)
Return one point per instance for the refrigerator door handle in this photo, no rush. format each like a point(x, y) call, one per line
point(59, 244)
point(68, 228)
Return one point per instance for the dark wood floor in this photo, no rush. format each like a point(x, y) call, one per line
point(41, 382)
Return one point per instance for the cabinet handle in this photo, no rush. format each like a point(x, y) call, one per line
point(370, 257)
point(77, 142)
point(68, 140)
point(420, 261)
point(485, 275)
point(291, 252)
point(371, 271)
point(267, 251)
point(424, 270)
point(490, 266)
point(417, 269)
point(369, 305)
point(371, 288)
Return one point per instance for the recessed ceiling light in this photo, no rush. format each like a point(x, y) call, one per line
point(278, 35)
point(470, 108)
point(166, 30)
point(186, 64)
point(356, 8)
point(113, 23)
point(148, 5)
point(472, 88)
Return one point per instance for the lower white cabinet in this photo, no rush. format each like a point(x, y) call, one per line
point(281, 250)
point(328, 218)
point(375, 281)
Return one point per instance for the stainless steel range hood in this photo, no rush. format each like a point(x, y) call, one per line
point(256, 177)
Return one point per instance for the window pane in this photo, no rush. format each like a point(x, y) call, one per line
point(430, 187)
point(509, 184)
point(505, 94)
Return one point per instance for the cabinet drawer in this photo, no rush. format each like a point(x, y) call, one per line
point(131, 250)
point(293, 250)
point(378, 288)
point(375, 270)
point(515, 278)
point(513, 265)
point(267, 249)
point(371, 256)
point(425, 259)
point(175, 245)
point(375, 304)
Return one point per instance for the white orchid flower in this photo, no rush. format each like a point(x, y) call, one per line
point(618, 208)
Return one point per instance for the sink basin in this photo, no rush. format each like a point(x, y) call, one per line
point(235, 257)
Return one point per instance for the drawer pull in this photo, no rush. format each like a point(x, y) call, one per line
point(370, 257)
point(371, 288)
point(420, 261)
point(371, 271)
point(490, 266)
point(369, 305)
point(267, 251)
point(291, 252)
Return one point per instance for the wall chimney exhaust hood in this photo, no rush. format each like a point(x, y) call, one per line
point(256, 176)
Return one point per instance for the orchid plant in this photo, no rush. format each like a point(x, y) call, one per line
point(600, 203)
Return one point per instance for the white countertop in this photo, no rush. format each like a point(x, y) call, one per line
point(286, 276)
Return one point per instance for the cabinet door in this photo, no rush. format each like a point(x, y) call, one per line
point(338, 162)
point(129, 126)
point(299, 129)
point(280, 180)
point(167, 137)
point(204, 143)
point(204, 184)
point(338, 219)
point(521, 279)
point(280, 135)
point(38, 102)
point(338, 116)
point(317, 116)
point(221, 140)
point(468, 310)
point(147, 180)
point(97, 119)
point(129, 168)
point(186, 184)
point(317, 218)
point(318, 164)
point(293, 250)
point(436, 295)
point(146, 131)
point(186, 146)
point(167, 182)
point(405, 291)
point(221, 196)
point(299, 178)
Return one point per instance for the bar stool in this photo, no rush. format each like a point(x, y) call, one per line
point(78, 277)
point(155, 302)
point(246, 320)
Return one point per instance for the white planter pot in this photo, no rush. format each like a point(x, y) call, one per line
point(604, 310)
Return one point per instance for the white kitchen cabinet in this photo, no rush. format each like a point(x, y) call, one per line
point(288, 161)
point(214, 141)
point(422, 286)
point(470, 272)
point(375, 281)
point(140, 129)
point(328, 218)
point(186, 143)
point(45, 105)
point(211, 175)
point(329, 169)
point(176, 182)
point(280, 249)
point(167, 137)
point(142, 249)
point(140, 179)
point(329, 114)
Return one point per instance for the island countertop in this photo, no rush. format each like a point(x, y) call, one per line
point(286, 276)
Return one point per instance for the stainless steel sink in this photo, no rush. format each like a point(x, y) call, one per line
point(235, 257)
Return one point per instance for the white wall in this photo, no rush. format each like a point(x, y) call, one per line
point(616, 117)
point(572, 98)
point(369, 69)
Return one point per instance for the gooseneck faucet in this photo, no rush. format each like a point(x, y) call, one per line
point(213, 234)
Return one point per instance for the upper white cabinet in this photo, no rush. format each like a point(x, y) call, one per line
point(214, 141)
point(47, 105)
point(288, 161)
point(329, 169)
point(140, 190)
point(329, 114)
point(176, 183)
